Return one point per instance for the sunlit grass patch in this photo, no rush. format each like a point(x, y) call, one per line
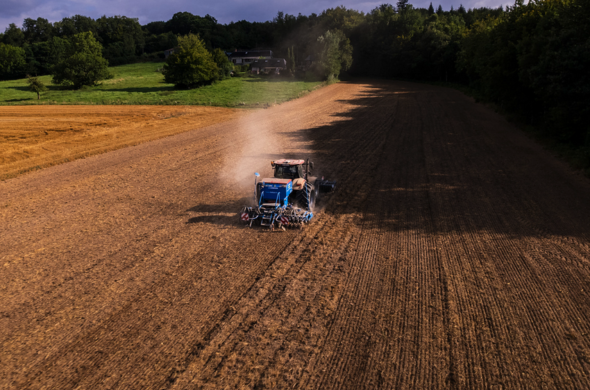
point(143, 83)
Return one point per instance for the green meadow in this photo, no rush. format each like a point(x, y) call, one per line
point(143, 83)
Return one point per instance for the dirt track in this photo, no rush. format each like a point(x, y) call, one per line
point(456, 254)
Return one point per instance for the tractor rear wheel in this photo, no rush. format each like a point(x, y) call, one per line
point(306, 197)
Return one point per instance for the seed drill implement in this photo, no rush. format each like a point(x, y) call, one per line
point(288, 199)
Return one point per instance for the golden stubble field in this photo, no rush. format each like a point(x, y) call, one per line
point(34, 137)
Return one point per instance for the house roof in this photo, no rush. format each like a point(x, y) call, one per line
point(269, 63)
point(251, 53)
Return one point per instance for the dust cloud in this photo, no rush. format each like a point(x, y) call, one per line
point(264, 135)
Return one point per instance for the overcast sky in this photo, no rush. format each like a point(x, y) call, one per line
point(15, 11)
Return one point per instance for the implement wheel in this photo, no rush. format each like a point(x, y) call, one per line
point(244, 216)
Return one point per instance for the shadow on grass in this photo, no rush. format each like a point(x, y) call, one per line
point(144, 89)
point(272, 79)
point(18, 100)
point(50, 88)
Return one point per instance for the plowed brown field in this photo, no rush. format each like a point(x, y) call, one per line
point(455, 254)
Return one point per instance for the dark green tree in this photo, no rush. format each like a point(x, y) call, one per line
point(37, 56)
point(334, 53)
point(439, 10)
point(155, 28)
point(161, 42)
point(37, 30)
point(74, 25)
point(223, 65)
point(430, 9)
point(191, 65)
point(206, 27)
point(13, 36)
point(341, 18)
point(81, 62)
point(402, 5)
point(122, 38)
point(36, 85)
point(12, 61)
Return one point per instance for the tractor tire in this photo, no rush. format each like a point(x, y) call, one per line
point(306, 197)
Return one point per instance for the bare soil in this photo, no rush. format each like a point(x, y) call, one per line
point(455, 254)
point(37, 137)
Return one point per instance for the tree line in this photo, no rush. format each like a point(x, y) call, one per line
point(531, 59)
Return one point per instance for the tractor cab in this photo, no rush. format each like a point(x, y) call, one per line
point(289, 172)
point(291, 169)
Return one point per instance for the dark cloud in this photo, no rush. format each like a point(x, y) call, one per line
point(15, 11)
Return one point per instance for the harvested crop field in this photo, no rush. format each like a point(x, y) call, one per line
point(37, 137)
point(455, 254)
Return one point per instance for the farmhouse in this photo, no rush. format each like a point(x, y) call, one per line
point(308, 62)
point(271, 65)
point(168, 52)
point(247, 57)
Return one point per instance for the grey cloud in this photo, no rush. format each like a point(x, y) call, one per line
point(15, 11)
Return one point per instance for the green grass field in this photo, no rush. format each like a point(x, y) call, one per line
point(144, 84)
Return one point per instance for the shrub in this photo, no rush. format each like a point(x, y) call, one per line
point(36, 85)
point(225, 67)
point(191, 65)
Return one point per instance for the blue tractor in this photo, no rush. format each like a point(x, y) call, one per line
point(287, 199)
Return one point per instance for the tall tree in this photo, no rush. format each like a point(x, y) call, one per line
point(82, 62)
point(223, 65)
point(191, 65)
point(12, 61)
point(334, 53)
point(74, 25)
point(13, 36)
point(402, 5)
point(430, 9)
point(120, 36)
point(37, 30)
point(291, 60)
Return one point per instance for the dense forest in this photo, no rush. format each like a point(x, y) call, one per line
point(531, 59)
